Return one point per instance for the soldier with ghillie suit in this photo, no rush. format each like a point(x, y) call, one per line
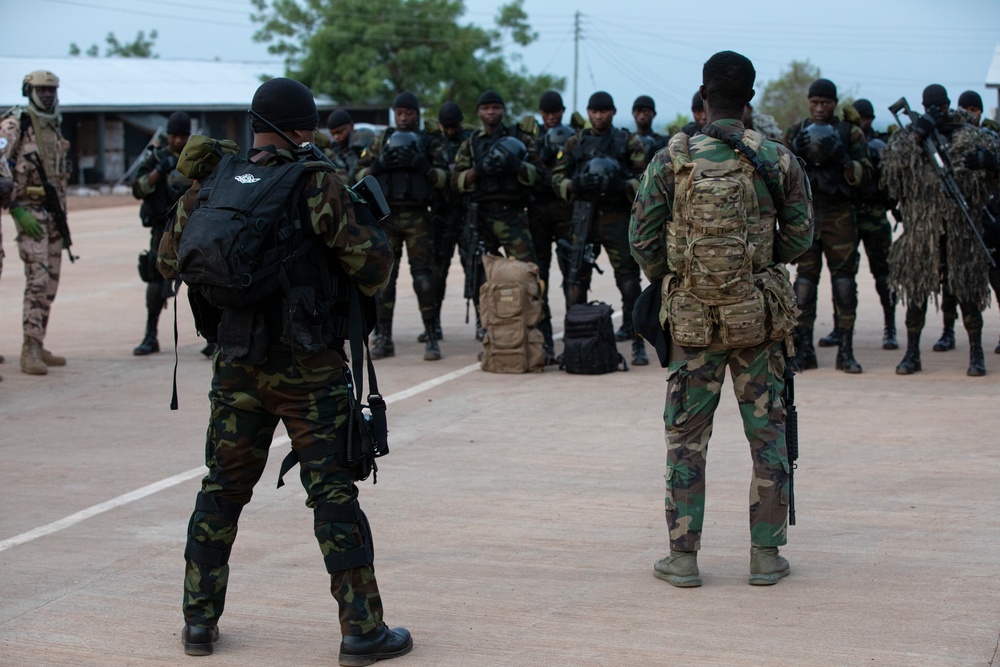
point(410, 166)
point(159, 185)
point(29, 133)
point(938, 253)
point(277, 365)
point(736, 313)
point(601, 166)
point(836, 156)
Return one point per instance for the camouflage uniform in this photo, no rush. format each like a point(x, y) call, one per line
point(548, 218)
point(26, 130)
point(409, 224)
point(310, 396)
point(609, 226)
point(697, 374)
point(448, 217)
point(344, 159)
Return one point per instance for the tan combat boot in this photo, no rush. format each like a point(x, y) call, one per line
point(766, 566)
point(679, 569)
point(31, 357)
point(50, 359)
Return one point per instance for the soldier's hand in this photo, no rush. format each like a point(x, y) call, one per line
point(980, 159)
point(27, 224)
point(6, 188)
point(417, 161)
point(801, 143)
point(923, 126)
point(167, 165)
point(835, 150)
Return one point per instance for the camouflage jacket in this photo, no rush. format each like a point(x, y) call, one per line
point(652, 210)
point(362, 250)
point(22, 132)
point(633, 161)
point(158, 198)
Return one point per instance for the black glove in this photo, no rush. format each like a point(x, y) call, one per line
point(923, 126)
point(801, 143)
point(980, 159)
point(417, 161)
point(493, 164)
point(6, 188)
point(167, 164)
point(835, 151)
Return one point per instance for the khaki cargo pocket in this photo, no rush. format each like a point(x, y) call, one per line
point(689, 321)
point(668, 498)
point(742, 324)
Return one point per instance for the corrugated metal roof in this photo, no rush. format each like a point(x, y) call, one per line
point(993, 75)
point(138, 84)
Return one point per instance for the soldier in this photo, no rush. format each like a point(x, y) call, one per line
point(601, 166)
point(6, 189)
point(307, 390)
point(33, 133)
point(159, 185)
point(499, 167)
point(778, 227)
point(643, 112)
point(341, 151)
point(937, 251)
point(836, 157)
point(973, 103)
point(409, 165)
point(763, 123)
point(699, 115)
point(548, 214)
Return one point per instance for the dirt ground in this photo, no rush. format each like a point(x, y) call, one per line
point(516, 520)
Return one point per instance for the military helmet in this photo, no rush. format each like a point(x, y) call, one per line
point(361, 137)
point(817, 132)
point(557, 136)
point(40, 77)
point(608, 170)
point(505, 155)
point(398, 140)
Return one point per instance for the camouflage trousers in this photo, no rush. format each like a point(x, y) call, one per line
point(447, 221)
point(836, 239)
point(693, 392)
point(609, 229)
point(42, 261)
point(247, 402)
point(875, 234)
point(916, 312)
point(549, 221)
point(410, 226)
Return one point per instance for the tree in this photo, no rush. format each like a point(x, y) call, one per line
point(785, 97)
point(367, 51)
point(141, 47)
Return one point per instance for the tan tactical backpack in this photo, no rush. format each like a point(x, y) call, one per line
point(510, 307)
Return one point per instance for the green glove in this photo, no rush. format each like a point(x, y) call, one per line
point(26, 223)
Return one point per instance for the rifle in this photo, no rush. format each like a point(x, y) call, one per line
point(51, 202)
point(934, 147)
point(791, 437)
point(472, 248)
point(577, 251)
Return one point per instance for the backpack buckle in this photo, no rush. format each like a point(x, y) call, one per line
point(245, 280)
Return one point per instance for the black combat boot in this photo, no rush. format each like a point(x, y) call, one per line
point(832, 339)
point(889, 341)
point(383, 346)
point(438, 334)
point(623, 334)
point(977, 362)
point(888, 300)
point(947, 340)
point(149, 344)
point(432, 351)
point(911, 360)
point(199, 641)
point(845, 353)
point(639, 357)
point(378, 644)
point(805, 353)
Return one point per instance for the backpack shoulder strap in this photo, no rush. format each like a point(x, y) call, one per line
point(738, 143)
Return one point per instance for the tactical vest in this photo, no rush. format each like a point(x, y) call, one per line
point(248, 252)
point(719, 246)
point(829, 180)
point(501, 187)
point(403, 185)
point(613, 145)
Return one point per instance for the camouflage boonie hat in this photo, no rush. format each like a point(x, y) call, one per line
point(201, 154)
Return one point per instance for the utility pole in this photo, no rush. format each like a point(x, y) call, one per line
point(576, 55)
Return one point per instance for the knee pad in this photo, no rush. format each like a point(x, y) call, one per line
point(845, 291)
point(211, 505)
point(805, 290)
point(362, 556)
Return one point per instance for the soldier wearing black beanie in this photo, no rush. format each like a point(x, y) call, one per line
point(288, 104)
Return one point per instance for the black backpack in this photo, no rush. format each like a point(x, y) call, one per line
point(590, 346)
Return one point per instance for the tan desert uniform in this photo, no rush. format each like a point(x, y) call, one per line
point(27, 129)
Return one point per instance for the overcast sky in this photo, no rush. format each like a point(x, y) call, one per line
point(879, 49)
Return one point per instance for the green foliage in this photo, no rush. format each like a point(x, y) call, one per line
point(785, 97)
point(674, 125)
point(367, 51)
point(141, 47)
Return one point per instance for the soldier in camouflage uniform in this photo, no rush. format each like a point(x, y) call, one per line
point(158, 184)
point(307, 391)
point(781, 232)
point(837, 164)
point(573, 178)
point(643, 112)
point(500, 183)
point(341, 150)
point(24, 131)
point(409, 174)
point(6, 189)
point(699, 115)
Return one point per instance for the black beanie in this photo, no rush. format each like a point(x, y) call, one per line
point(489, 97)
point(286, 103)
point(450, 114)
point(970, 98)
point(864, 108)
point(551, 102)
point(935, 94)
point(600, 101)
point(823, 88)
point(179, 123)
point(338, 118)
point(406, 101)
point(697, 104)
point(644, 102)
